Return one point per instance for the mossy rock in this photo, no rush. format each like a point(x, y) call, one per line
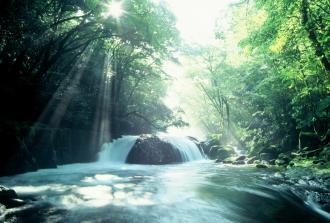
point(220, 153)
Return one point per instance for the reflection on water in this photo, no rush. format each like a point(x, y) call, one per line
point(190, 192)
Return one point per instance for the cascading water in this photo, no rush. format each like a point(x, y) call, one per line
point(118, 150)
point(187, 148)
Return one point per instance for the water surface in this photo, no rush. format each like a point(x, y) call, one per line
point(192, 192)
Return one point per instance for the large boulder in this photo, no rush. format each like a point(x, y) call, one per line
point(151, 149)
point(220, 153)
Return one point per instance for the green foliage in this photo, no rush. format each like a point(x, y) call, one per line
point(67, 61)
point(280, 85)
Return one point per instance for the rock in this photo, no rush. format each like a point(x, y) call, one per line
point(242, 157)
point(6, 193)
point(225, 152)
point(13, 203)
point(9, 198)
point(228, 160)
point(213, 152)
point(220, 153)
point(251, 160)
point(256, 161)
point(261, 166)
point(218, 161)
point(203, 145)
point(150, 149)
point(239, 162)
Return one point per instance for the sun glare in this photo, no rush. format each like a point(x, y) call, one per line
point(114, 9)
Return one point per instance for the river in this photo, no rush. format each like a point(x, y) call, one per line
point(200, 191)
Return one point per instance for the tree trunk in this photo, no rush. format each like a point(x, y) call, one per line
point(312, 35)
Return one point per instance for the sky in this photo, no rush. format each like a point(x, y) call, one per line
point(196, 18)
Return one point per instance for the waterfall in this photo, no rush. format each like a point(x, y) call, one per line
point(118, 150)
point(187, 148)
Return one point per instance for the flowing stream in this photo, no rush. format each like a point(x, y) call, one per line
point(198, 191)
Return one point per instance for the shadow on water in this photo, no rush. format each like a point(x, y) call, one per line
point(191, 192)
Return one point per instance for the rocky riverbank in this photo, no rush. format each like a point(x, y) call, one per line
point(304, 156)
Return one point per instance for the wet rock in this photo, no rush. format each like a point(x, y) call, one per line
point(261, 166)
point(256, 161)
point(239, 162)
point(6, 193)
point(150, 149)
point(9, 198)
point(242, 157)
point(13, 203)
point(251, 160)
point(220, 153)
point(228, 160)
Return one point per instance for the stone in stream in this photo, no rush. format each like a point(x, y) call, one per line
point(242, 157)
point(221, 153)
point(150, 149)
point(239, 162)
point(261, 166)
point(9, 198)
point(250, 160)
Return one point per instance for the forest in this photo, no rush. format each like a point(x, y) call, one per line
point(95, 94)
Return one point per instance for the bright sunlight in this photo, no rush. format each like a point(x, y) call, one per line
point(114, 9)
